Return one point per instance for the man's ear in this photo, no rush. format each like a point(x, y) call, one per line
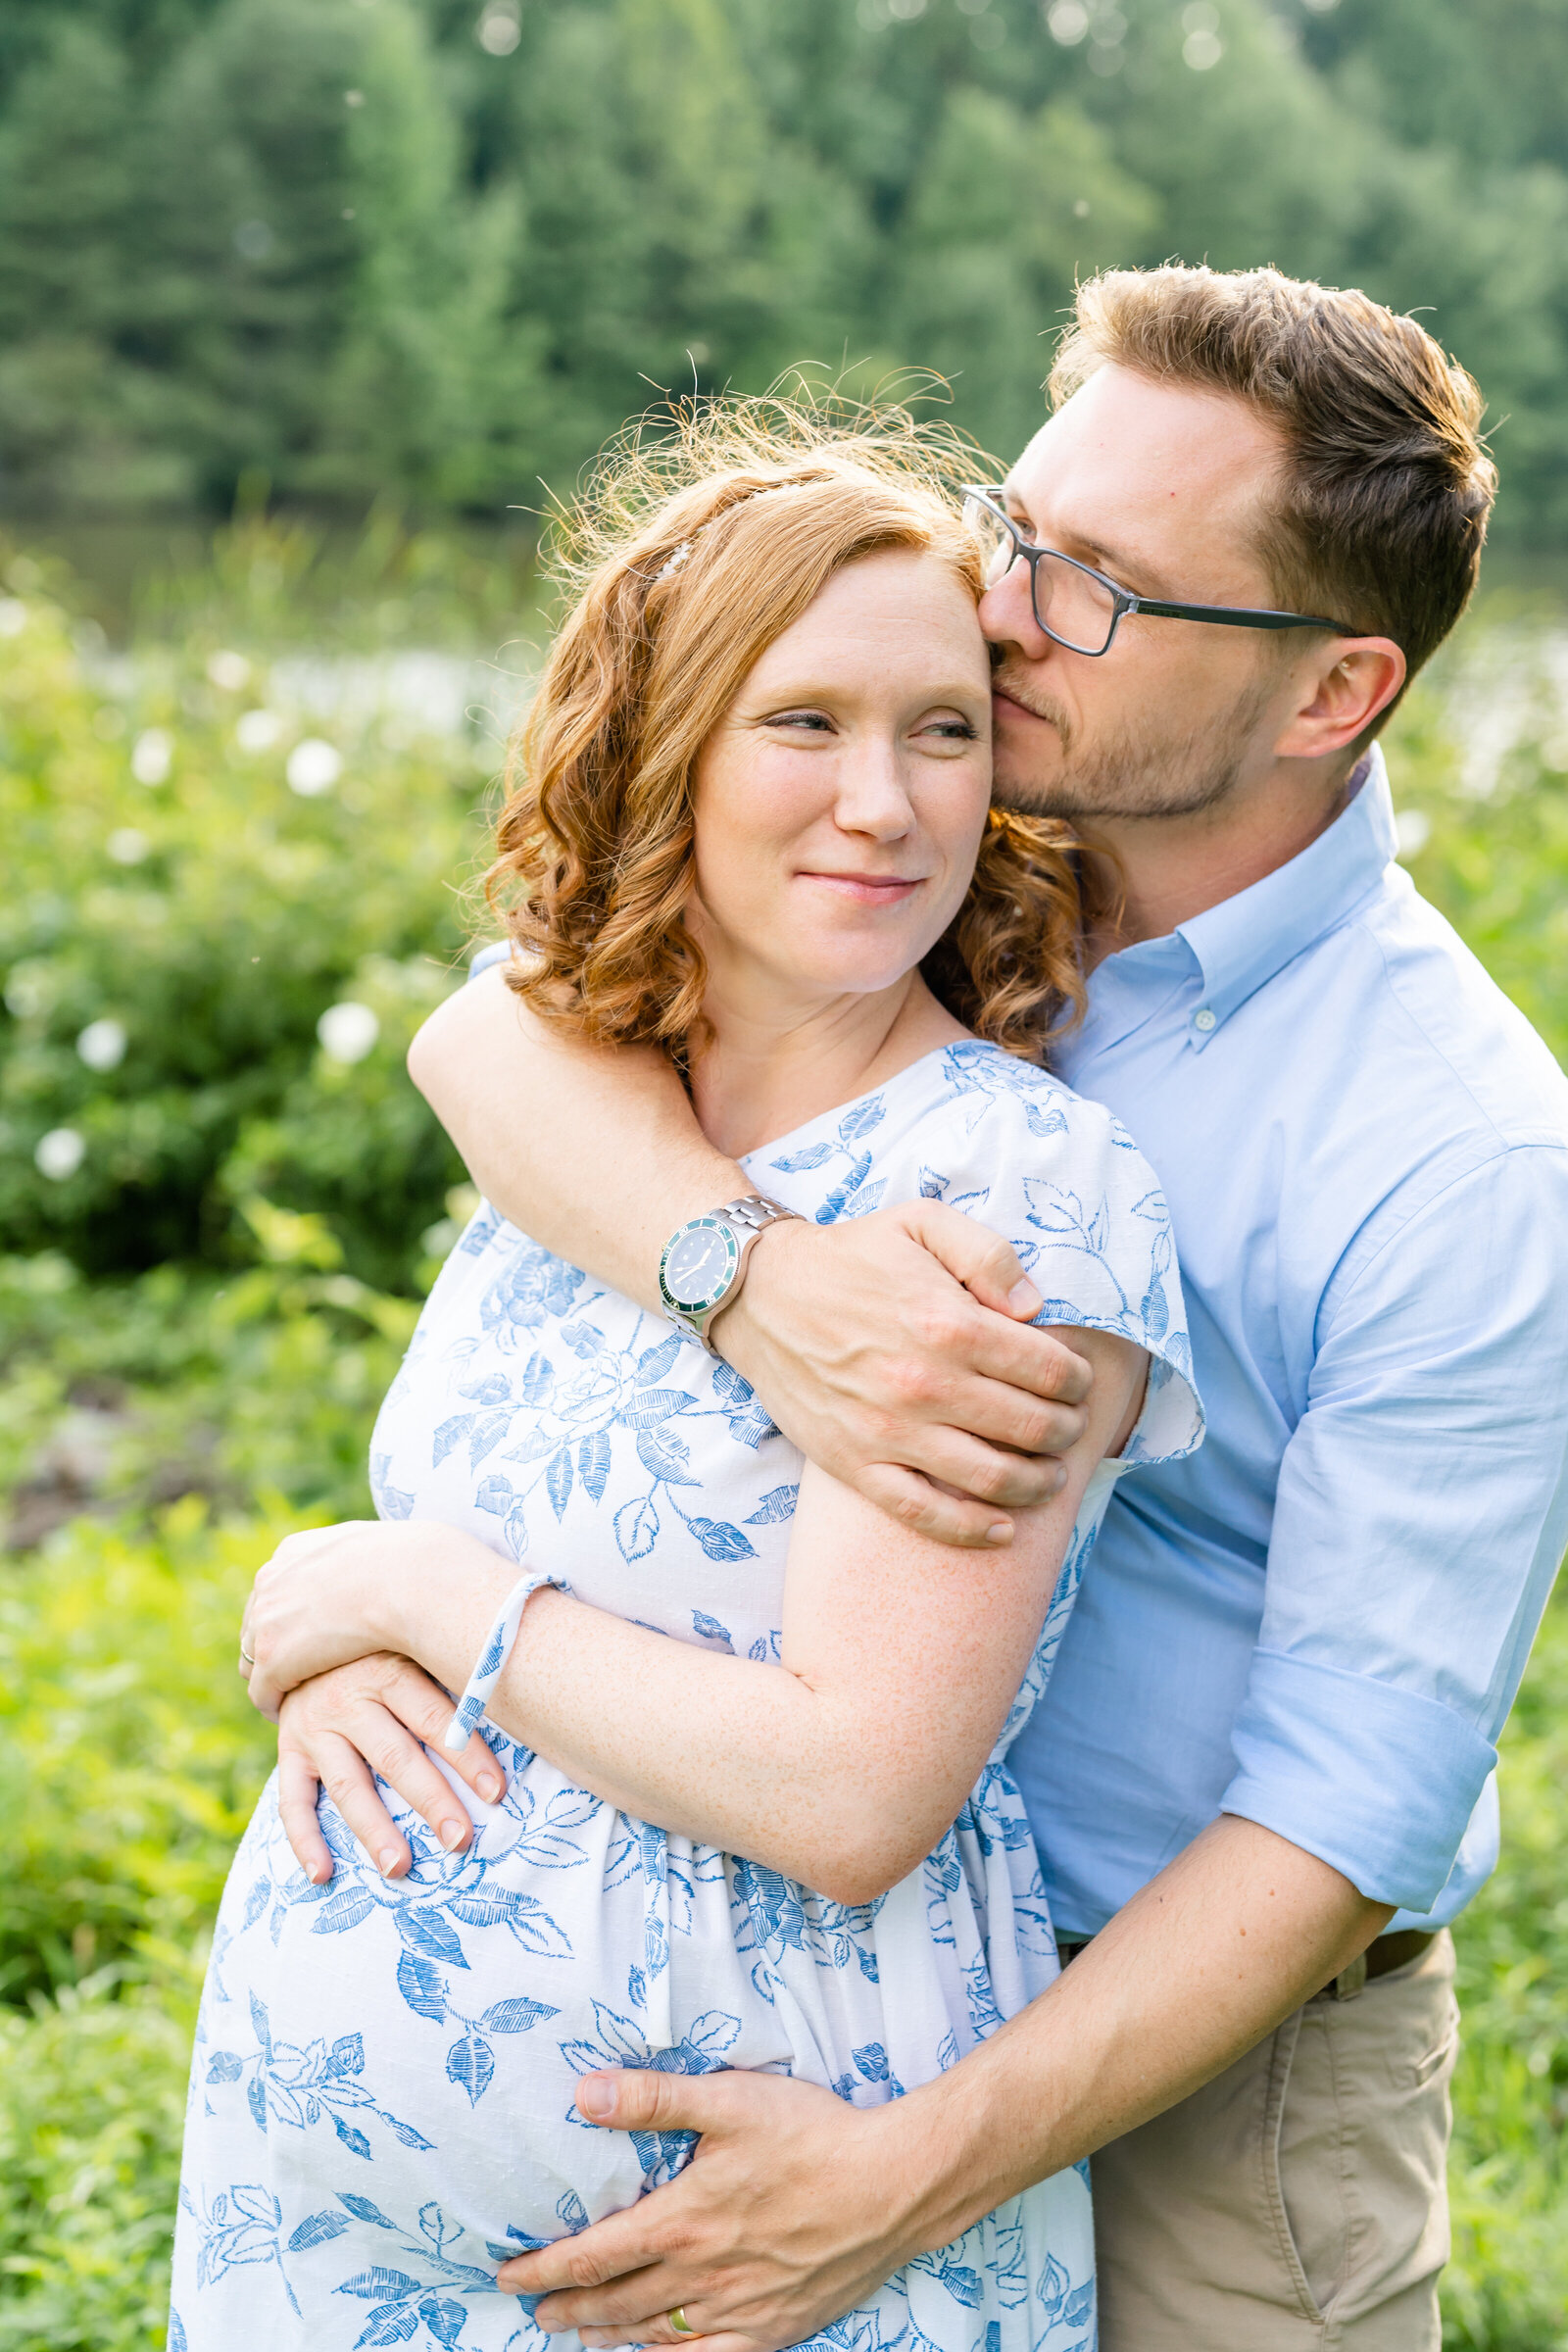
point(1341, 695)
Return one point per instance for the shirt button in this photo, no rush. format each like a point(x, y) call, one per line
point(1203, 1020)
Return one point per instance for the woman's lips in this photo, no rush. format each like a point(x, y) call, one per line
point(867, 890)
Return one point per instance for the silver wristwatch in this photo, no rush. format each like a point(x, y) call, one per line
point(704, 1261)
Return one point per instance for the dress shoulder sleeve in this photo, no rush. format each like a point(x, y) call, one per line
point(1061, 1180)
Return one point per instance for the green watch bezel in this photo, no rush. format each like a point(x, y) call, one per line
point(732, 1259)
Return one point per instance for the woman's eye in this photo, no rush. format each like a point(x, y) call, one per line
point(818, 721)
point(953, 730)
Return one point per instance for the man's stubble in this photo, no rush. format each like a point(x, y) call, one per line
point(1131, 771)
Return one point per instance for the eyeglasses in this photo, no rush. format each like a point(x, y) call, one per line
point(1077, 607)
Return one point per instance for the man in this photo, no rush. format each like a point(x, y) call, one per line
point(1262, 1783)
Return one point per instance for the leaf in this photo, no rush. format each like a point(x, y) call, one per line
point(422, 1986)
point(713, 2032)
point(225, 2066)
point(777, 1504)
point(531, 1449)
point(637, 1528)
point(860, 1119)
point(798, 1162)
point(582, 1340)
point(833, 1205)
point(558, 1480)
point(709, 1629)
point(348, 1906)
point(256, 2101)
point(376, 2283)
point(873, 2062)
point(316, 2229)
point(425, 1931)
point(346, 2054)
point(667, 1454)
point(571, 2211)
point(593, 1462)
point(351, 2137)
point(404, 2132)
point(515, 2016)
point(471, 2063)
point(363, 2209)
point(443, 2316)
point(533, 1928)
point(494, 1495)
point(932, 1185)
point(538, 1378)
point(651, 1405)
point(259, 2024)
point(256, 1902)
point(655, 1363)
point(720, 1541)
point(393, 2323)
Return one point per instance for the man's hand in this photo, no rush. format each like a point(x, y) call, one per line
point(788, 2214)
point(338, 1730)
point(898, 1352)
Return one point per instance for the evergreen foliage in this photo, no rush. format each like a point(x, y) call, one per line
point(443, 248)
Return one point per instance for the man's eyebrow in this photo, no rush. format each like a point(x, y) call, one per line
point(1116, 561)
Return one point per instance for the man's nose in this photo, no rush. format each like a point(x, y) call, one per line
point(1008, 614)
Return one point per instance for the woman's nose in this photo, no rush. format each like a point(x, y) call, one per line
point(872, 796)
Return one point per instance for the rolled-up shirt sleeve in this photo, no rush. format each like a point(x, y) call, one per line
point(1422, 1512)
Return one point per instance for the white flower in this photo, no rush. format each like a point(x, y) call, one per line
point(313, 767)
point(347, 1031)
point(60, 1154)
point(102, 1045)
point(152, 755)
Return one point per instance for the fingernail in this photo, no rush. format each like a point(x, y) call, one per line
point(1024, 1300)
point(489, 1788)
point(452, 1834)
point(1000, 1532)
point(319, 1872)
point(387, 1860)
point(596, 2098)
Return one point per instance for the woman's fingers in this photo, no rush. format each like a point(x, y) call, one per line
point(349, 1782)
point(424, 1707)
point(298, 1786)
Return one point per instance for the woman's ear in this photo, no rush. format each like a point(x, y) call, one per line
point(1341, 695)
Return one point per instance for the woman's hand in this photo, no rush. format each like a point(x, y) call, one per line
point(337, 1731)
point(329, 1594)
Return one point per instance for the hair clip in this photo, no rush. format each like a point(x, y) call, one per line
point(673, 563)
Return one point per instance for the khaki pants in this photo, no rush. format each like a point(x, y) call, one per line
point(1296, 2203)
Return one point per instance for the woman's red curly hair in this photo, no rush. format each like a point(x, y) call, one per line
point(683, 574)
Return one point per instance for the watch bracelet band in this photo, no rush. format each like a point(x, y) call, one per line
point(755, 1212)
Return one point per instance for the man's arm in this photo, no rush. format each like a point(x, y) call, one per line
point(798, 2206)
point(895, 1351)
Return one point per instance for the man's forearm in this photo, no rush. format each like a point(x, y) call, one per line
point(1210, 1956)
point(595, 1153)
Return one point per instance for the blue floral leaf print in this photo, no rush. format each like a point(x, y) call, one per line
point(494, 1495)
point(393, 2323)
point(424, 1930)
point(637, 1528)
point(667, 1455)
point(347, 2055)
point(225, 2066)
point(948, 2054)
point(392, 1502)
point(860, 1119)
point(529, 1922)
point(259, 2024)
point(1077, 2305)
point(558, 1480)
point(346, 1908)
point(449, 1434)
point(814, 1157)
point(867, 1197)
point(713, 2031)
point(593, 1462)
point(720, 1541)
point(932, 1185)
point(582, 1339)
point(531, 1449)
point(1052, 2288)
point(442, 2317)
point(729, 1386)
point(709, 1629)
point(752, 1426)
point(1044, 1122)
point(404, 2132)
point(777, 1504)
point(494, 1389)
point(177, 2334)
point(256, 1902)
point(515, 2016)
point(873, 2062)
point(652, 1405)
point(364, 2210)
point(538, 1378)
point(571, 2211)
point(655, 1363)
point(376, 2284)
point(833, 1205)
point(471, 2063)
point(350, 2138)
point(422, 1986)
point(256, 2101)
point(636, 1987)
point(495, 1651)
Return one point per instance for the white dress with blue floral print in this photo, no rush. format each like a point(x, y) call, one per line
point(381, 2096)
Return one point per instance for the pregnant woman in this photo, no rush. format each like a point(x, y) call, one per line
point(748, 1805)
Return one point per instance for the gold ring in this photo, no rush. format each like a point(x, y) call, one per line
point(680, 2322)
point(246, 1658)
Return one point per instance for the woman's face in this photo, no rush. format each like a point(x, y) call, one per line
point(841, 799)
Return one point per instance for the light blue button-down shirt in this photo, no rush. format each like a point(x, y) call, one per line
point(1320, 1620)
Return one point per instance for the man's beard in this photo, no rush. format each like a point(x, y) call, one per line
point(1131, 773)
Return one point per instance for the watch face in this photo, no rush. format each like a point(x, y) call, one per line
point(699, 1263)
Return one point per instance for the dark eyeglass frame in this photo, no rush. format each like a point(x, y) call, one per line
point(1123, 601)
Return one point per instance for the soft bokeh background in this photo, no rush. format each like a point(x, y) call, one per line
point(302, 302)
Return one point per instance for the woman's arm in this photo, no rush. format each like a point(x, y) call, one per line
point(841, 1766)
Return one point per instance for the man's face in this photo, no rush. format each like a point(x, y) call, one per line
point(1161, 488)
